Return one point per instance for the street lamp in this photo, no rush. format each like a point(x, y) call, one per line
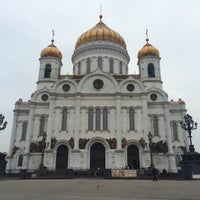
point(150, 137)
point(189, 125)
point(42, 169)
point(2, 123)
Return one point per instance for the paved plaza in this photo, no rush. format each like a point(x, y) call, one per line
point(98, 189)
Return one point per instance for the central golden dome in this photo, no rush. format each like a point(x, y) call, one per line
point(100, 32)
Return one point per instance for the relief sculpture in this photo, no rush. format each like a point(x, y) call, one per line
point(123, 142)
point(112, 142)
point(159, 147)
point(71, 142)
point(82, 143)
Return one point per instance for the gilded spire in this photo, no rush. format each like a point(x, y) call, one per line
point(100, 16)
point(53, 34)
point(147, 38)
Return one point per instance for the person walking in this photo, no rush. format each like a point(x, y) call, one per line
point(154, 172)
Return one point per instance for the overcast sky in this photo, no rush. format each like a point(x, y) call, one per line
point(26, 28)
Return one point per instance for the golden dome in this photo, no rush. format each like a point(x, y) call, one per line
point(100, 32)
point(147, 50)
point(51, 50)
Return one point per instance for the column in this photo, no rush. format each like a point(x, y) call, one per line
point(13, 133)
point(77, 121)
point(51, 120)
point(172, 163)
point(28, 136)
point(12, 140)
point(118, 121)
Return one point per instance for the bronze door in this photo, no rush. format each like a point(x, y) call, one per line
point(62, 157)
point(133, 157)
point(97, 156)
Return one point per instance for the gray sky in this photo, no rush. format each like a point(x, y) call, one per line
point(26, 29)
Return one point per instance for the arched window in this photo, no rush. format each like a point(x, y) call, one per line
point(100, 63)
point(79, 67)
point(20, 161)
point(120, 68)
point(155, 126)
point(175, 130)
point(98, 119)
point(90, 119)
point(105, 119)
point(47, 71)
point(42, 126)
point(151, 70)
point(131, 119)
point(88, 65)
point(64, 119)
point(24, 130)
point(111, 65)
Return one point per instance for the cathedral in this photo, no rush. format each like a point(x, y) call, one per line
point(99, 117)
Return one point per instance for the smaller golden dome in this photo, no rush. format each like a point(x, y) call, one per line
point(52, 51)
point(148, 50)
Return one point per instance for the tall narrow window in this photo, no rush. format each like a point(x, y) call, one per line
point(111, 65)
point(90, 119)
point(24, 130)
point(47, 71)
point(64, 119)
point(88, 65)
point(42, 126)
point(98, 119)
point(120, 67)
point(155, 126)
point(174, 130)
point(100, 63)
point(79, 67)
point(131, 119)
point(151, 70)
point(20, 161)
point(105, 119)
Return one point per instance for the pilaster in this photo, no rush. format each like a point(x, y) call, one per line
point(28, 136)
point(77, 121)
point(51, 120)
point(118, 121)
point(171, 158)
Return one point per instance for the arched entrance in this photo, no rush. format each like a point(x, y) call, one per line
point(97, 156)
point(133, 159)
point(62, 157)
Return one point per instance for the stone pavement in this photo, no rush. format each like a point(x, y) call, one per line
point(99, 189)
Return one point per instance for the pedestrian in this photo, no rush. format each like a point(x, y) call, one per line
point(154, 172)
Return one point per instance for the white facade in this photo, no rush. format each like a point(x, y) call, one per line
point(100, 116)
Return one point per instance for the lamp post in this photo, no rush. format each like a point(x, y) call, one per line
point(3, 123)
point(150, 137)
point(189, 125)
point(42, 168)
point(3, 161)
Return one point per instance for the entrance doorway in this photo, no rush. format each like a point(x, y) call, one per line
point(62, 157)
point(97, 156)
point(133, 159)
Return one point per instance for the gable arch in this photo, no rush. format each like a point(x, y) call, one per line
point(58, 87)
point(137, 84)
point(161, 95)
point(110, 85)
point(38, 94)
